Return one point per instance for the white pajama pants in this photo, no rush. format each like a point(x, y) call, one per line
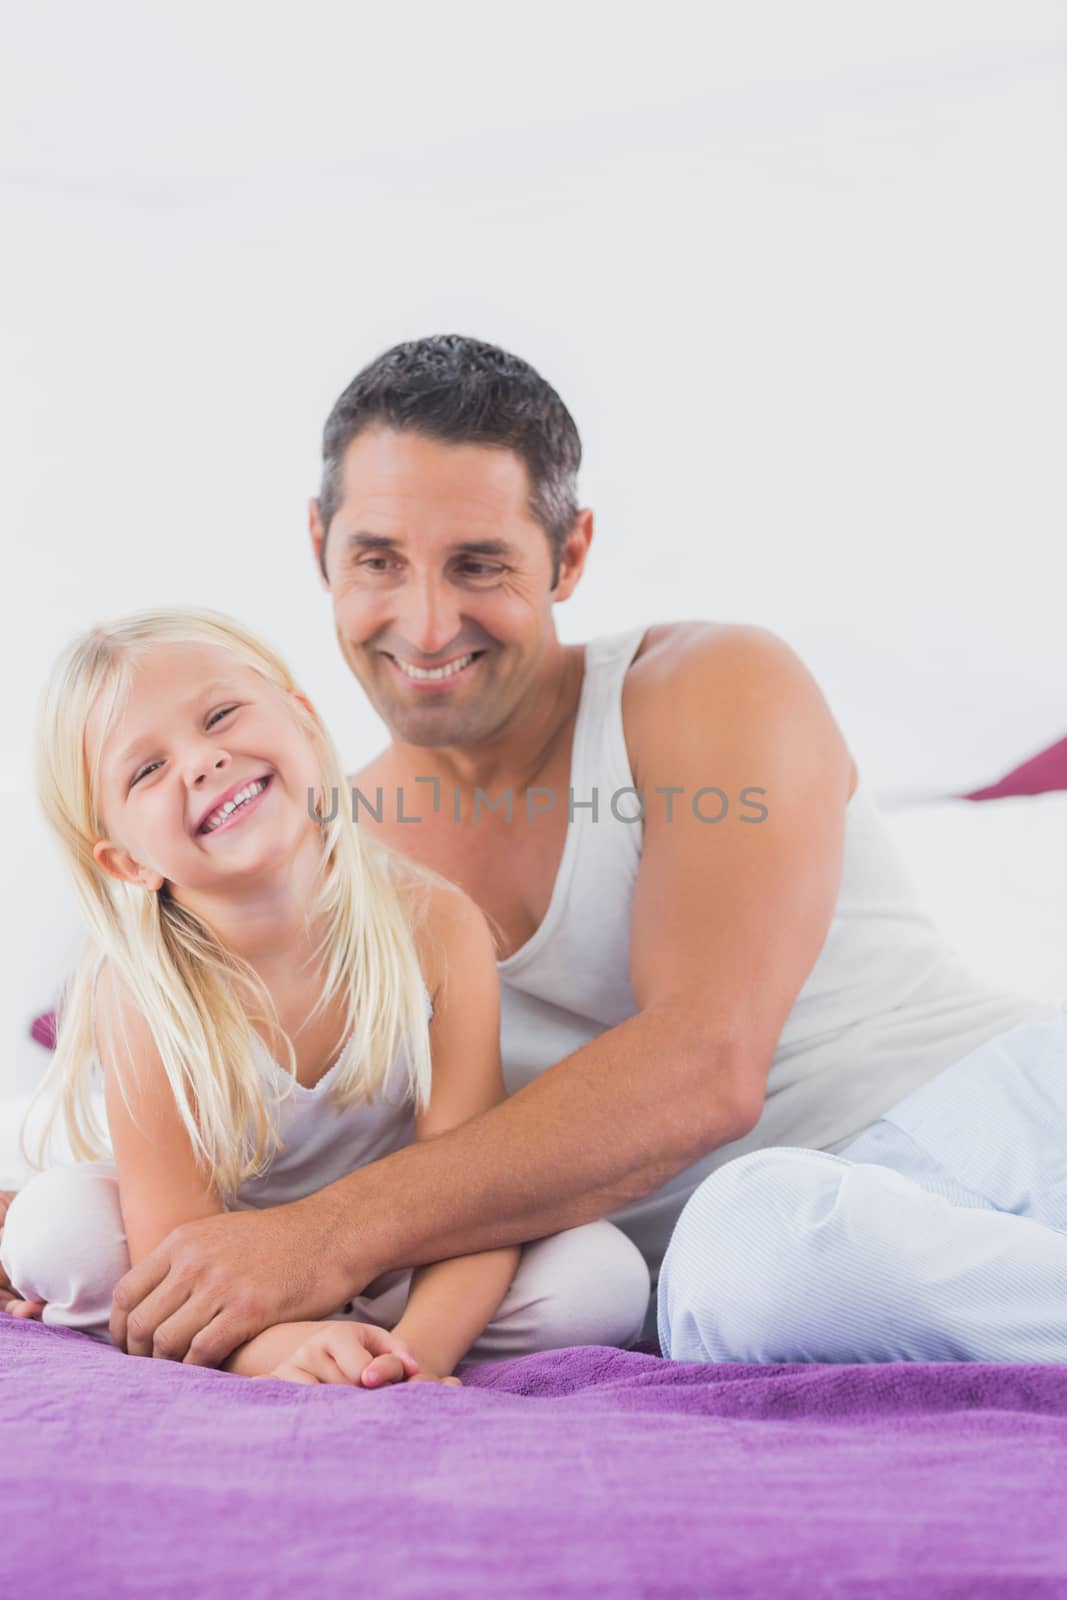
point(64, 1242)
point(940, 1234)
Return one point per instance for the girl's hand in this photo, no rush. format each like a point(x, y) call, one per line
point(342, 1352)
point(386, 1369)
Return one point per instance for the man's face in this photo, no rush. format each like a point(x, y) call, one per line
point(441, 583)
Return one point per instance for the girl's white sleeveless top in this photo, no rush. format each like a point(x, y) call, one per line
point(888, 1004)
point(322, 1141)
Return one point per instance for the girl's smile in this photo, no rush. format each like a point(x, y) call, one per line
point(238, 803)
point(201, 745)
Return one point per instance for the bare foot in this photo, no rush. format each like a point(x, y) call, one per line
point(23, 1308)
point(11, 1302)
point(6, 1197)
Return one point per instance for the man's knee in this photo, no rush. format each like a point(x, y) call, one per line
point(740, 1261)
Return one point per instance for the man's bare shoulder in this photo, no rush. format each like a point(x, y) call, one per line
point(671, 647)
point(687, 667)
point(684, 657)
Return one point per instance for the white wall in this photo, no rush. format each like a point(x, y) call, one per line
point(797, 270)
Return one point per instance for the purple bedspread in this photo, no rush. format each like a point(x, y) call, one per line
point(581, 1472)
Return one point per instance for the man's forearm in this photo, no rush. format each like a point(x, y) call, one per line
point(606, 1126)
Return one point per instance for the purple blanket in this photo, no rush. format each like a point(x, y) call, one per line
point(582, 1472)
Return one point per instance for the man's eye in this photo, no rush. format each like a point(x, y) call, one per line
point(481, 569)
point(375, 563)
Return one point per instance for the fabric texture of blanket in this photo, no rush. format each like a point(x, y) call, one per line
point(580, 1472)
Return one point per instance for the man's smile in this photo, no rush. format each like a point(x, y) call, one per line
point(438, 677)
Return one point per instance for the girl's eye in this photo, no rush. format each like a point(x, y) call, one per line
point(211, 722)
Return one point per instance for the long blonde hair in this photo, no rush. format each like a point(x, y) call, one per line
point(182, 979)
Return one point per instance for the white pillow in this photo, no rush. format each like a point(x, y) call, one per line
point(993, 875)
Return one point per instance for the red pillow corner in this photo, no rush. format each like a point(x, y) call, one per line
point(43, 1029)
point(1040, 774)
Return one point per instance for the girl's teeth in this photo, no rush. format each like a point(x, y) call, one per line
point(435, 672)
point(239, 799)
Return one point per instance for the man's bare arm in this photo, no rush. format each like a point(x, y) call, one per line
point(728, 920)
point(606, 1126)
point(727, 924)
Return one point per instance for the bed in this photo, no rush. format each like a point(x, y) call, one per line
point(580, 1472)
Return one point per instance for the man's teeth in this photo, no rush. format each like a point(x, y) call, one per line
point(435, 672)
point(249, 792)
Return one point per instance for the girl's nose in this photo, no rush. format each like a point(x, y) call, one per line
point(200, 766)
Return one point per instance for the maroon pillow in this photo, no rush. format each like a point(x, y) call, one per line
point(1047, 770)
point(43, 1029)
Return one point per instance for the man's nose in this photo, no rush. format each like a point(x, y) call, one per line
point(428, 617)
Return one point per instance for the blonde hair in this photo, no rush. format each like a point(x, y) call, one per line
point(176, 970)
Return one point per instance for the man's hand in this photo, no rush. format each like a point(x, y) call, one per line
point(214, 1284)
point(357, 1353)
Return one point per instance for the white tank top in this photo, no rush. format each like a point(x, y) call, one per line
point(322, 1141)
point(887, 1005)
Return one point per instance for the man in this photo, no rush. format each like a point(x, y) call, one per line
point(708, 946)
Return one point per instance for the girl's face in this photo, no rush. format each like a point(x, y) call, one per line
point(204, 775)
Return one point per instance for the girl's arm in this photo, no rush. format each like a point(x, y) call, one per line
point(160, 1184)
point(451, 1302)
point(351, 1341)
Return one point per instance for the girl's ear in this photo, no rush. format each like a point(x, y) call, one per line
point(118, 863)
point(306, 703)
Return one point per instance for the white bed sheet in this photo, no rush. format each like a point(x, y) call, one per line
point(993, 874)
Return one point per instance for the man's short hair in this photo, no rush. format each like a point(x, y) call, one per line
point(463, 391)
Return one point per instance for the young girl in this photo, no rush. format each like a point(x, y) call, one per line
point(238, 920)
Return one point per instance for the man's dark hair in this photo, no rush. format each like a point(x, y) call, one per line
point(463, 391)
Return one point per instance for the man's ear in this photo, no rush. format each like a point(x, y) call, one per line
point(318, 539)
point(118, 863)
point(572, 556)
